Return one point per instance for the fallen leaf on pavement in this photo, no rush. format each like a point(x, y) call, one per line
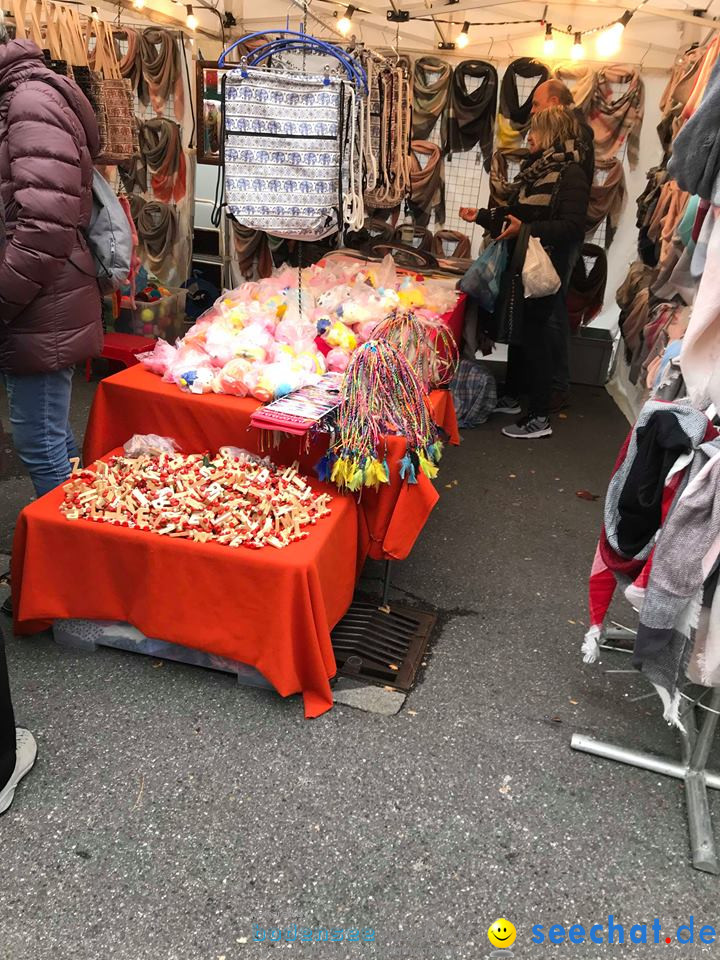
point(586, 495)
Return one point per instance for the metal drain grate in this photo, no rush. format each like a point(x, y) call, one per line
point(384, 646)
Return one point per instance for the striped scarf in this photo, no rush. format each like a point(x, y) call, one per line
point(539, 176)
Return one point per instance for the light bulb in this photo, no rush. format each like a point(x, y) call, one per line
point(344, 24)
point(549, 44)
point(138, 4)
point(463, 39)
point(609, 41)
point(577, 52)
point(94, 13)
point(191, 21)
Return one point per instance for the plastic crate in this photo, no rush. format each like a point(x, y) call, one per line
point(591, 353)
point(91, 634)
point(164, 318)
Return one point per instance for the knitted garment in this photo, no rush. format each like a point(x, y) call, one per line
point(431, 91)
point(581, 80)
point(471, 116)
point(540, 174)
point(617, 120)
point(513, 120)
point(687, 550)
point(695, 161)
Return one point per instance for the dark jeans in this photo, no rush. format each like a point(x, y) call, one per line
point(39, 419)
point(7, 721)
point(529, 369)
point(559, 329)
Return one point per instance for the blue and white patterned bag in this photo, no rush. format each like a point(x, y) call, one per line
point(282, 151)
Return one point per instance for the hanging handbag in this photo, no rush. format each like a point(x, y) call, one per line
point(283, 151)
point(539, 276)
point(507, 322)
point(484, 276)
point(114, 98)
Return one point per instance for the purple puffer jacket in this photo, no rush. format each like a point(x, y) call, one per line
point(50, 303)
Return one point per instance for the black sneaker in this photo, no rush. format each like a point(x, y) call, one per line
point(7, 607)
point(530, 428)
point(509, 405)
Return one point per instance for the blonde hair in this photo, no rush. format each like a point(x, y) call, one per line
point(554, 125)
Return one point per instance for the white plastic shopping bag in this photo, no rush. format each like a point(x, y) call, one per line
point(539, 276)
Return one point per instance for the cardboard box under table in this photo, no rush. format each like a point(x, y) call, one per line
point(136, 401)
point(273, 609)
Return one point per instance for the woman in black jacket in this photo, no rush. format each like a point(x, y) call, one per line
point(551, 194)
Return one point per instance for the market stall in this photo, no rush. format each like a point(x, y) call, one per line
point(272, 609)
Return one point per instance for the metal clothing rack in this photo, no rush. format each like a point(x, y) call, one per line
point(696, 742)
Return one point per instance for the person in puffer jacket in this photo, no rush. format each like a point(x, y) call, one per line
point(50, 304)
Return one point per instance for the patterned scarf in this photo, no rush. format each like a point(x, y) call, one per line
point(616, 121)
point(162, 70)
point(430, 96)
point(471, 116)
point(513, 119)
point(580, 80)
point(540, 174)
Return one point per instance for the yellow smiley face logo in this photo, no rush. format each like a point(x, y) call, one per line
point(502, 933)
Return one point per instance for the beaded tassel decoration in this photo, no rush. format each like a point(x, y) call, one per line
point(428, 345)
point(382, 395)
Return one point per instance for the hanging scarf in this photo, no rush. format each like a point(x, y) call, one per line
point(580, 80)
point(162, 70)
point(430, 96)
point(252, 247)
point(136, 204)
point(461, 250)
point(427, 184)
point(133, 174)
point(514, 118)
point(537, 182)
point(157, 227)
point(501, 188)
point(586, 292)
point(471, 116)
point(162, 151)
point(615, 122)
point(607, 199)
point(701, 78)
point(131, 62)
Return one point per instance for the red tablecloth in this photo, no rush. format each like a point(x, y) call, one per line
point(273, 609)
point(136, 401)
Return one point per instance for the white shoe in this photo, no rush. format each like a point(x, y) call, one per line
point(25, 753)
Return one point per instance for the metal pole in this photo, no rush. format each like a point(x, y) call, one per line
point(637, 758)
point(386, 585)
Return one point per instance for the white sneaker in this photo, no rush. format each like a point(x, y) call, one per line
point(25, 753)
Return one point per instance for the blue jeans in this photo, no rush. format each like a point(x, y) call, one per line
point(39, 420)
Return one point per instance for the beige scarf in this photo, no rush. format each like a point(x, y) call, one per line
point(157, 227)
point(580, 80)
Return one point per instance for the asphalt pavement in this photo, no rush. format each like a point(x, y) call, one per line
point(174, 816)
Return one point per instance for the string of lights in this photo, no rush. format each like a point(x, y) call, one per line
point(608, 43)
